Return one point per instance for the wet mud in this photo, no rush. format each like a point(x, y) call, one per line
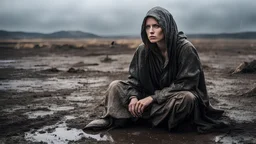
point(49, 95)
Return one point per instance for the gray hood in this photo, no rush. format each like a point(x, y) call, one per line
point(166, 22)
point(173, 39)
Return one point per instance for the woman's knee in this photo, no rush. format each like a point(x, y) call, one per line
point(189, 98)
point(114, 84)
point(188, 102)
point(113, 90)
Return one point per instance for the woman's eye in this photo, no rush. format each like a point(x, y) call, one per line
point(147, 27)
point(156, 26)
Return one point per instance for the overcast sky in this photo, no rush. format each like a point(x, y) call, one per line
point(124, 17)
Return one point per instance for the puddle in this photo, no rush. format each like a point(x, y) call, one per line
point(83, 94)
point(79, 99)
point(35, 114)
point(238, 139)
point(95, 82)
point(62, 134)
point(145, 135)
point(33, 85)
point(43, 113)
point(50, 84)
point(63, 108)
point(14, 108)
point(69, 117)
point(7, 61)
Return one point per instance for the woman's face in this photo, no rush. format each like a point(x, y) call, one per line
point(154, 31)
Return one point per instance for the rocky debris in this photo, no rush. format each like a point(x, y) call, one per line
point(41, 65)
point(38, 46)
point(206, 67)
point(52, 70)
point(107, 59)
point(67, 46)
point(112, 45)
point(81, 64)
point(73, 70)
point(246, 67)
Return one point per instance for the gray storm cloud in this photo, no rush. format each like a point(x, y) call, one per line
point(115, 17)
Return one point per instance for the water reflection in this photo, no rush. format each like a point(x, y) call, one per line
point(61, 134)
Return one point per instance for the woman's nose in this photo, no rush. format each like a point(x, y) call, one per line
point(151, 30)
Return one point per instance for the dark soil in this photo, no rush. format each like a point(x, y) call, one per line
point(50, 94)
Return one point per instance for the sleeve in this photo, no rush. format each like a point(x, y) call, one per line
point(187, 78)
point(133, 78)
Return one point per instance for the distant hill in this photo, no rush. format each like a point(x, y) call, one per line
point(240, 35)
point(80, 34)
point(59, 34)
point(72, 34)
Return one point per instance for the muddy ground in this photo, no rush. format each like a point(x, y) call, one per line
point(47, 95)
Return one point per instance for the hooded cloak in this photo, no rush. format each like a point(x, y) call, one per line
point(151, 75)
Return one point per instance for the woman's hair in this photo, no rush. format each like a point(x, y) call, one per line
point(170, 30)
point(147, 43)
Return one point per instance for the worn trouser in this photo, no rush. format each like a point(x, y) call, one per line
point(175, 110)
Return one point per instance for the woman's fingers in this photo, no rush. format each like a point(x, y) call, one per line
point(142, 108)
point(132, 106)
point(138, 109)
point(133, 110)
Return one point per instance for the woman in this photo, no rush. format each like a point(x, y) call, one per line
point(166, 84)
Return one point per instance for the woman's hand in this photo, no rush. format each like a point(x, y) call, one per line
point(142, 104)
point(132, 107)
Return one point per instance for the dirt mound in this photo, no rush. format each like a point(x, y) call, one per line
point(81, 64)
point(38, 46)
point(73, 70)
point(107, 59)
point(246, 67)
point(52, 70)
point(67, 46)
